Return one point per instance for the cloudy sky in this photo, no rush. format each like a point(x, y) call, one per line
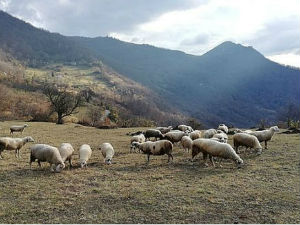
point(193, 26)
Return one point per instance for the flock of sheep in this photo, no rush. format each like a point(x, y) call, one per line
point(54, 156)
point(211, 142)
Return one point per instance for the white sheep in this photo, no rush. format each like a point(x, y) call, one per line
point(223, 128)
point(221, 136)
point(137, 138)
point(185, 128)
point(66, 151)
point(265, 135)
point(46, 153)
point(7, 143)
point(17, 128)
point(195, 134)
point(175, 136)
point(161, 147)
point(215, 149)
point(186, 142)
point(247, 140)
point(107, 152)
point(209, 133)
point(85, 153)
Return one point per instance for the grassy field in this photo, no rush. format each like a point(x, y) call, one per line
point(265, 190)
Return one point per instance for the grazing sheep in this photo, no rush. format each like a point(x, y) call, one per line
point(137, 138)
point(215, 149)
point(17, 128)
point(209, 133)
point(223, 128)
point(175, 136)
point(164, 130)
point(185, 128)
point(186, 142)
point(134, 133)
point(195, 134)
point(145, 145)
point(153, 133)
point(221, 136)
point(85, 153)
point(247, 140)
point(265, 135)
point(107, 152)
point(66, 151)
point(7, 143)
point(46, 153)
point(161, 147)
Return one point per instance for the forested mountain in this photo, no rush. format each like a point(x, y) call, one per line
point(230, 84)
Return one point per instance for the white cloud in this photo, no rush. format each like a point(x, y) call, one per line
point(286, 59)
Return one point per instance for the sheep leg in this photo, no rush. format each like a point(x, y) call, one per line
point(51, 167)
point(39, 162)
point(70, 162)
point(1, 157)
point(266, 145)
point(212, 160)
point(170, 156)
point(16, 154)
point(32, 159)
point(148, 158)
point(204, 158)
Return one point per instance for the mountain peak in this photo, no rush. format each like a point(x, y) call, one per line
point(232, 49)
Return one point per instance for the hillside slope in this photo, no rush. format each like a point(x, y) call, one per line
point(231, 83)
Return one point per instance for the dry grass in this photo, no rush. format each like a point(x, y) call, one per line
point(266, 190)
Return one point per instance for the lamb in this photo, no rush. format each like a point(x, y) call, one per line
point(185, 128)
point(46, 153)
point(66, 151)
point(265, 135)
point(85, 153)
point(221, 136)
point(215, 149)
point(195, 134)
point(107, 152)
point(17, 128)
point(247, 140)
point(186, 142)
point(153, 133)
point(223, 128)
point(175, 136)
point(164, 130)
point(7, 143)
point(209, 133)
point(161, 147)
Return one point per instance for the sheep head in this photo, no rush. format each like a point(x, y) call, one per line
point(29, 139)
point(59, 167)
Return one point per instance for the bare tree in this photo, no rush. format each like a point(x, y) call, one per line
point(62, 102)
